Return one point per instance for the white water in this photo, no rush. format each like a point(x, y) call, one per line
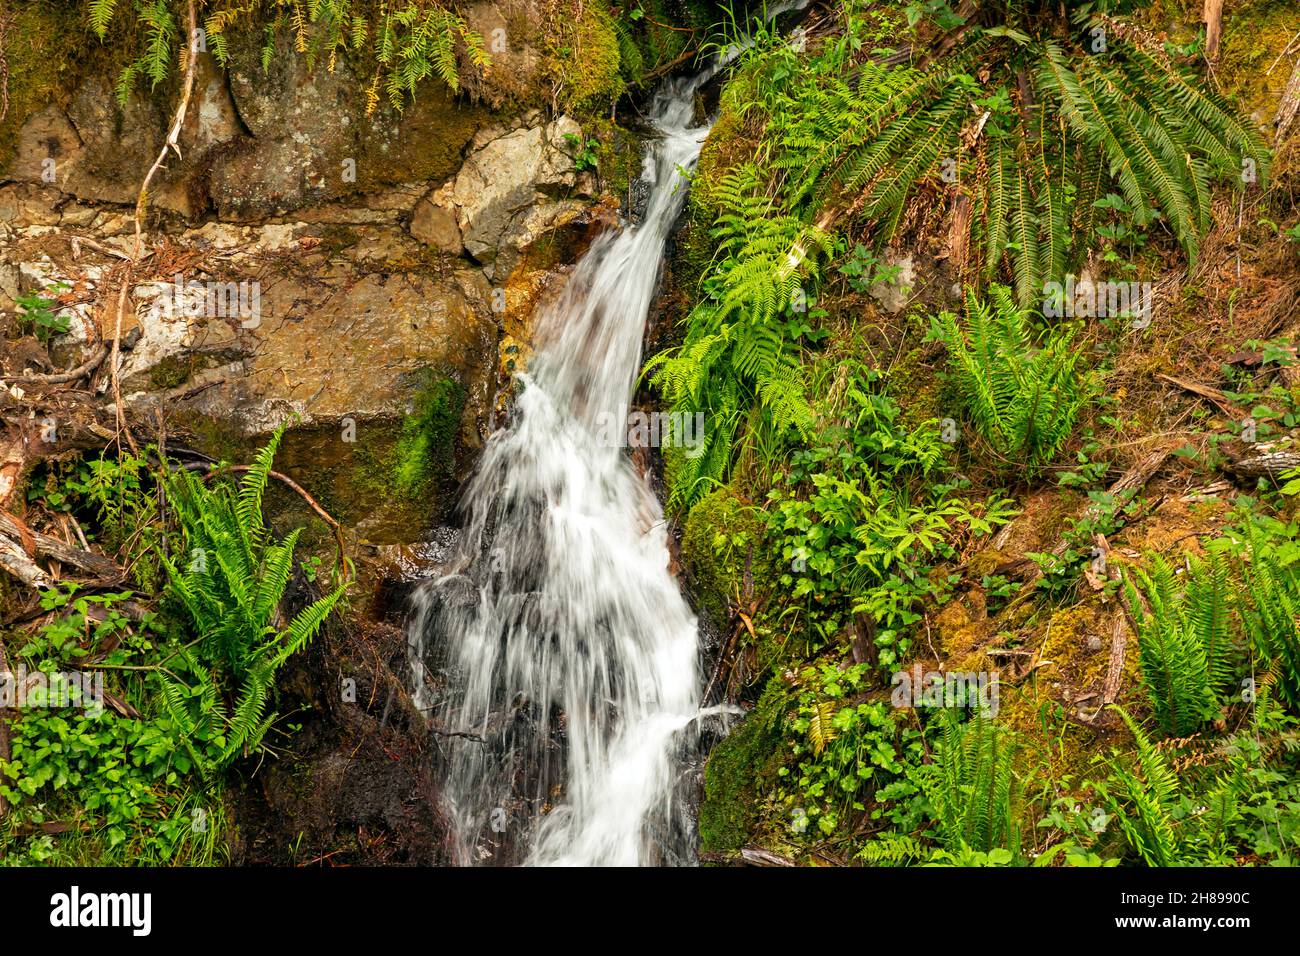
point(571, 655)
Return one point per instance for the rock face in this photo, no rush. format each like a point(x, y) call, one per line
point(260, 142)
point(515, 185)
point(310, 140)
point(502, 175)
point(307, 261)
point(98, 150)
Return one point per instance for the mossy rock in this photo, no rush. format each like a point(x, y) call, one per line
point(723, 534)
point(41, 53)
point(425, 450)
point(1255, 35)
point(386, 479)
point(739, 770)
point(583, 59)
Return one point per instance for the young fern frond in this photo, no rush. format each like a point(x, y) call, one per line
point(892, 849)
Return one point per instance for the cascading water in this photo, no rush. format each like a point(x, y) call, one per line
point(570, 655)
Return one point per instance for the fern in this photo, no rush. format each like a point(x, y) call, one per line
point(1053, 122)
point(1023, 393)
point(407, 43)
point(1270, 603)
point(737, 353)
point(1146, 806)
point(1164, 823)
point(1183, 640)
point(892, 849)
point(231, 581)
point(100, 15)
point(971, 786)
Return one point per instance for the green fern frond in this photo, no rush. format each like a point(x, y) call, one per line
point(100, 15)
point(1024, 399)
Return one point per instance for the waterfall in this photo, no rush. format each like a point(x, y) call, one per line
point(569, 655)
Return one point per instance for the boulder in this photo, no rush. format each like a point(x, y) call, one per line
point(311, 141)
point(504, 193)
point(436, 225)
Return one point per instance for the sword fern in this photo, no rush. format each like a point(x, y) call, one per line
point(230, 582)
point(1022, 391)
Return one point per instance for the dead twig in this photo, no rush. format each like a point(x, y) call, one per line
point(173, 137)
point(1210, 394)
point(63, 378)
point(172, 143)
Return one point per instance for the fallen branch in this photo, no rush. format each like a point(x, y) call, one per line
point(757, 856)
point(13, 459)
point(103, 568)
point(1114, 669)
point(62, 378)
point(753, 855)
point(1264, 464)
point(1212, 395)
point(15, 560)
point(1288, 106)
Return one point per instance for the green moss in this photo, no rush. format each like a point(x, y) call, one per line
point(723, 534)
point(618, 158)
point(1254, 36)
point(390, 478)
point(213, 436)
point(739, 771)
point(425, 449)
point(396, 476)
point(173, 371)
point(918, 390)
point(583, 58)
point(39, 50)
point(49, 48)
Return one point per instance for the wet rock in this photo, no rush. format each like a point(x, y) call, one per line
point(372, 800)
point(211, 119)
point(453, 592)
point(174, 335)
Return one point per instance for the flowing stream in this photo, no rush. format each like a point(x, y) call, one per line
point(572, 675)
